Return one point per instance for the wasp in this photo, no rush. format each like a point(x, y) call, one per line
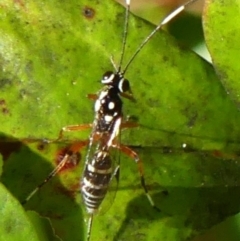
point(101, 166)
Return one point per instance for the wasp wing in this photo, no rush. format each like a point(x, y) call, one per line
point(101, 173)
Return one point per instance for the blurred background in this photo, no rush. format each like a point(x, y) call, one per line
point(186, 27)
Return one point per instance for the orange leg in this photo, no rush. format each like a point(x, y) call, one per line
point(92, 96)
point(129, 124)
point(77, 127)
point(81, 127)
point(129, 152)
point(72, 128)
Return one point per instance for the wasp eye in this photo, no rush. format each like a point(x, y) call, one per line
point(108, 77)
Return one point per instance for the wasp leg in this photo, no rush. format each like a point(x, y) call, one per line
point(74, 148)
point(128, 151)
point(129, 124)
point(128, 96)
point(70, 129)
point(92, 96)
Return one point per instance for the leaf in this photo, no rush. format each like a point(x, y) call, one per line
point(14, 223)
point(221, 27)
point(43, 227)
point(25, 168)
point(1, 164)
point(52, 57)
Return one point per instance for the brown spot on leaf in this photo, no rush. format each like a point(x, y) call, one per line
point(4, 108)
point(73, 158)
point(41, 146)
point(5, 111)
point(2, 102)
point(19, 2)
point(88, 12)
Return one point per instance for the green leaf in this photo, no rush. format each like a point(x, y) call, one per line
point(1, 164)
point(221, 27)
point(51, 58)
point(52, 61)
point(14, 223)
point(43, 227)
point(199, 185)
point(25, 168)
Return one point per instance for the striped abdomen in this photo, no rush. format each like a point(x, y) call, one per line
point(96, 178)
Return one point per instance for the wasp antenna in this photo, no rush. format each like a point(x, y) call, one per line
point(167, 19)
point(113, 63)
point(124, 34)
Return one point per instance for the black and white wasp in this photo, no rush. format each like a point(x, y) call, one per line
point(101, 167)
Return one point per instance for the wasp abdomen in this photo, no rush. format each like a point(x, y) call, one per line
point(96, 178)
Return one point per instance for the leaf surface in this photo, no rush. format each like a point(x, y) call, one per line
point(222, 33)
point(14, 223)
point(52, 57)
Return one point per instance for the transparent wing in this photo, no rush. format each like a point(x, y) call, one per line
point(102, 167)
point(114, 182)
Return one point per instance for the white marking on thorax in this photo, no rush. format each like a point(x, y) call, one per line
point(103, 94)
point(100, 100)
point(108, 118)
point(115, 131)
point(97, 105)
point(111, 105)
